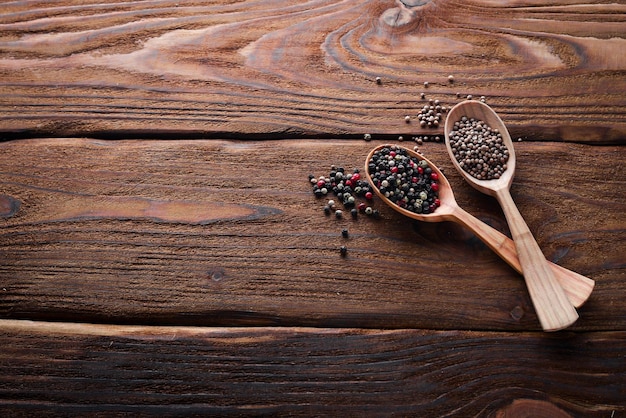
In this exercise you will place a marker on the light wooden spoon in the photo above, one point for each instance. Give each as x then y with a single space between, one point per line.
553 308
577 287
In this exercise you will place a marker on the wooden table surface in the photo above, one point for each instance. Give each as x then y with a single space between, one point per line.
162 252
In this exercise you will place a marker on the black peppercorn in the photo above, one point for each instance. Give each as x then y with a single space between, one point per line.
404 179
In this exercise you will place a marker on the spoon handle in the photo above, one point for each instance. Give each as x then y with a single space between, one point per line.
553 309
577 287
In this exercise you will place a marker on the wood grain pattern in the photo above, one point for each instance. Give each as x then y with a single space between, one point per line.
156 275
78 369
240 238
200 69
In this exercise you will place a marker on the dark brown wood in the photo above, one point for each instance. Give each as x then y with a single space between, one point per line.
72 369
230 233
281 68
161 252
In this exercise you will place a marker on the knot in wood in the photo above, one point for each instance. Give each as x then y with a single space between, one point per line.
517 313
397 17
8 206
216 274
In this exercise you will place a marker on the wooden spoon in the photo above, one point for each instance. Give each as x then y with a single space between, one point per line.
553 308
577 287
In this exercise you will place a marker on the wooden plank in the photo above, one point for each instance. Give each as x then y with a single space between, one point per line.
229 233
118 69
76 369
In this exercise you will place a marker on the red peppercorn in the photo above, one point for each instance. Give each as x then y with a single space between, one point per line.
434 187
321 183
362 205
392 153
420 170
434 176
356 177
394 169
437 202
349 183
369 195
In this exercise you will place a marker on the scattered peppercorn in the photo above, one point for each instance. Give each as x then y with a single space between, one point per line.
431 114
343 250
404 179
479 149
347 187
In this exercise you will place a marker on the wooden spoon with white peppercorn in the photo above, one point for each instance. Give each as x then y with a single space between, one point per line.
479 136
577 287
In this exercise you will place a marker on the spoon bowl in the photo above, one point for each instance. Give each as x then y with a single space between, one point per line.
480 111
577 287
553 308
448 207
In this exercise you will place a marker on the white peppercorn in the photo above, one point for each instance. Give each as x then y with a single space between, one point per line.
479 149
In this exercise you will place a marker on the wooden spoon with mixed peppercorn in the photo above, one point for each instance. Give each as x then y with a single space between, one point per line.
482 151
577 287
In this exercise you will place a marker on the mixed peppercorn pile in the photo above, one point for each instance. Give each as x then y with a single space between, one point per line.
347 188
406 180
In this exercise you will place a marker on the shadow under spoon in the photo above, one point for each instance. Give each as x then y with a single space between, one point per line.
577 287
